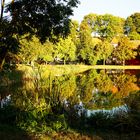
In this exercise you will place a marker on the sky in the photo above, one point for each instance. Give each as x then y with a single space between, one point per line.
121 8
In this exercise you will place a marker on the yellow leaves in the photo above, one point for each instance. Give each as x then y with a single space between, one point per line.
114 89
32 50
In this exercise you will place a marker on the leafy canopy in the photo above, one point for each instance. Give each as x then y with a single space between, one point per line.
45 18
132 26
124 50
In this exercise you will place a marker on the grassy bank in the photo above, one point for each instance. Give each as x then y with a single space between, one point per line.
59 70
56 70
10 133
115 67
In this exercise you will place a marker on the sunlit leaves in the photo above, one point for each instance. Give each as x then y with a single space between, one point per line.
32 50
132 26
104 26
65 50
124 49
110 26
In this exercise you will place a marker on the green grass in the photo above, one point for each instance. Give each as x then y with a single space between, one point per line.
8 132
115 67
76 68
58 70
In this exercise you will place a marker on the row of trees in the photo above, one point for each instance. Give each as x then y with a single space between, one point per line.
107 28
91 42
35 33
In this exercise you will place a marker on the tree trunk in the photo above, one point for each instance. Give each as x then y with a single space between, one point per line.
4 50
1 64
3 54
64 61
2 9
2 57
123 62
13 12
104 61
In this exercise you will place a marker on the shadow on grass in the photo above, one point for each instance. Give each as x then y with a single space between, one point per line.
8 127
9 132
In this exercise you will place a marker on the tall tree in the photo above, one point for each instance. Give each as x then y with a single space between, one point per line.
43 18
106 50
132 26
124 50
109 26
91 50
86 43
65 49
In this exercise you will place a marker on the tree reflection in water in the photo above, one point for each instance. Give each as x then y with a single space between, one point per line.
58 102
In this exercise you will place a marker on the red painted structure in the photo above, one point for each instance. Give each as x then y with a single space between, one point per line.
135 61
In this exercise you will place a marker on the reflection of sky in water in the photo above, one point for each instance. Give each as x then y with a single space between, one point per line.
121 109
5 101
115 110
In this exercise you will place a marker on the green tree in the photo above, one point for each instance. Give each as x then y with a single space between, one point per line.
109 26
91 50
43 18
124 50
65 49
31 50
106 50
132 26
105 26
86 44
91 20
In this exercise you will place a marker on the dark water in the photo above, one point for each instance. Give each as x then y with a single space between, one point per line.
88 93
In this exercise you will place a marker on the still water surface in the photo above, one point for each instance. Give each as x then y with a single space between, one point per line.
90 91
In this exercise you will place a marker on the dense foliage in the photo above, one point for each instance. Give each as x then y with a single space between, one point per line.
132 26
88 43
42 18
99 39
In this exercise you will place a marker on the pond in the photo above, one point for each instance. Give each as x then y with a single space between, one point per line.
81 100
